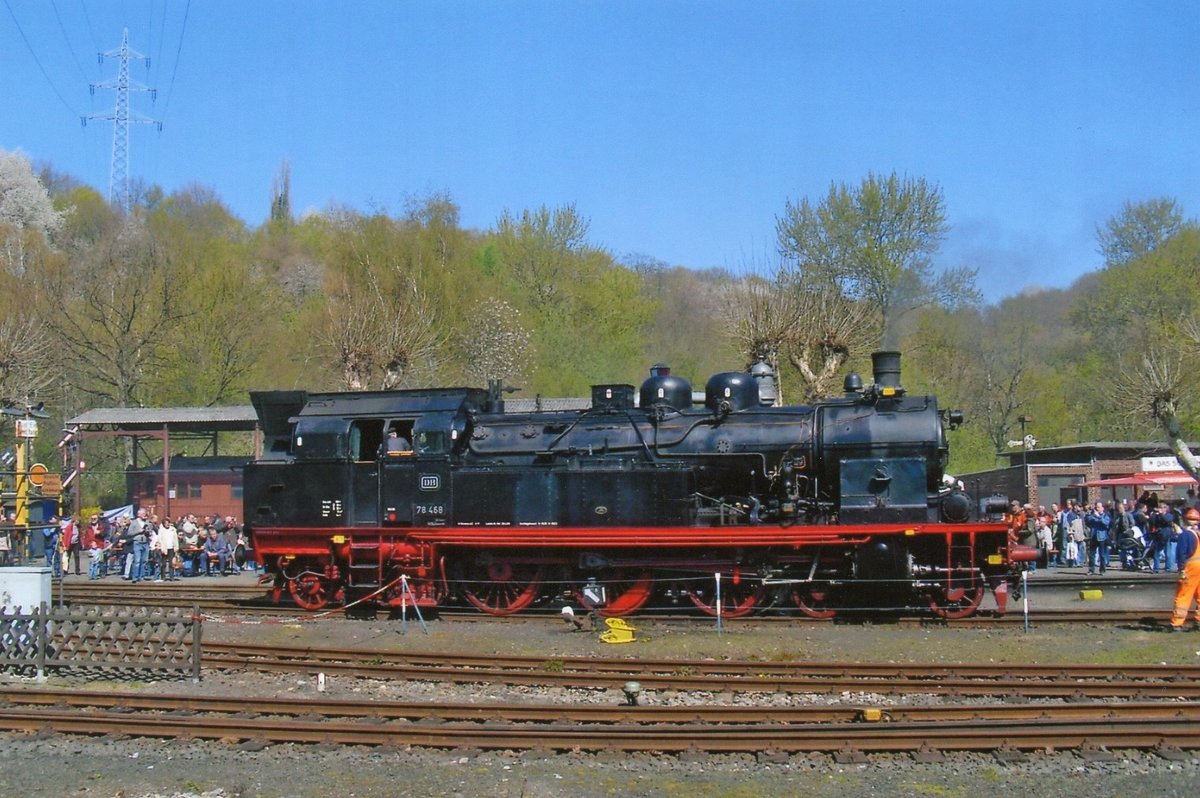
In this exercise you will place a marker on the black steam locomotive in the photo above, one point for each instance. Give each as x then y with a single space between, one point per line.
426 496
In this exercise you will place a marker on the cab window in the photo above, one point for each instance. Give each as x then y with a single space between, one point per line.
319 438
365 437
431 442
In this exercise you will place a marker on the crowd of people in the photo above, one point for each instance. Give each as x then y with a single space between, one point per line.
1138 535
1147 534
145 547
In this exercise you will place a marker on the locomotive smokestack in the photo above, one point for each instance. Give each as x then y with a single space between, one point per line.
886 366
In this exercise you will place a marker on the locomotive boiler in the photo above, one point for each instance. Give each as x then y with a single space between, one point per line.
646 497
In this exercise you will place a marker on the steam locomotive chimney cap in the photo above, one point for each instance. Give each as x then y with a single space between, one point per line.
886 366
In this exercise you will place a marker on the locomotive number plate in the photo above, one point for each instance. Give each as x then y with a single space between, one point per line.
429 509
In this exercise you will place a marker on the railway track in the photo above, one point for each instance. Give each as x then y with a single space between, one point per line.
1023 682
580 713
253 599
923 731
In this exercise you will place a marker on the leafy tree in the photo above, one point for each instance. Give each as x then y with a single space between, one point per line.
685 299
114 313
439 254
587 314
539 248
1139 229
228 306
875 243
90 219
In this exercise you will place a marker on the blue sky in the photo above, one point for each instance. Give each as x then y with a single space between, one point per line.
680 129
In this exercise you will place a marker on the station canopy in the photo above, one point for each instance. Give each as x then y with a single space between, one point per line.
1144 479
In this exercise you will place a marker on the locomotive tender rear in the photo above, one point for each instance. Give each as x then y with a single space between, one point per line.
837 503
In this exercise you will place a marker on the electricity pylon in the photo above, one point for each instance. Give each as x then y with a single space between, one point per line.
121 117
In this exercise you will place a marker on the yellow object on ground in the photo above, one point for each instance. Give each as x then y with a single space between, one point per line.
1091 595
619 631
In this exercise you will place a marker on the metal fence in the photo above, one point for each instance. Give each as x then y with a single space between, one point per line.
105 638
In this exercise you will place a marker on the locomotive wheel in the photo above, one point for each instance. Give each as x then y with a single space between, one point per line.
956 601
504 588
310 591
627 590
813 599
737 600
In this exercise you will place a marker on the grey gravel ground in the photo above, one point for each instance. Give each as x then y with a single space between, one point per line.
65 765
79 766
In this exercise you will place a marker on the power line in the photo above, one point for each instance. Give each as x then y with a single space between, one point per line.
70 47
179 49
162 27
36 60
88 20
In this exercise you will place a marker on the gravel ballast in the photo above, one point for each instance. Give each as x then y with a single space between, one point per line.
59 765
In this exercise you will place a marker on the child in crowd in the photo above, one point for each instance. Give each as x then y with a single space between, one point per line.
97 552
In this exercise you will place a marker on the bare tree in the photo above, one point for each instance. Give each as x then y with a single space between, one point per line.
1155 389
762 317
832 330
25 354
378 338
812 325
1144 243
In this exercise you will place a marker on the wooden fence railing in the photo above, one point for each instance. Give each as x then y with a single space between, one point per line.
106 638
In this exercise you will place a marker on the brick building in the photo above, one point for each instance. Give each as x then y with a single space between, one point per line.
1054 474
201 485
160 478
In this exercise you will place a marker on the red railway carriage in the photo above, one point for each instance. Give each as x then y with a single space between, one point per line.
731 505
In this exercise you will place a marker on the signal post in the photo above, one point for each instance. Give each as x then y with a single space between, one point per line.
31 480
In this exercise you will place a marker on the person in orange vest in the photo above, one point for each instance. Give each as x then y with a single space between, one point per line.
1015 517
1187 554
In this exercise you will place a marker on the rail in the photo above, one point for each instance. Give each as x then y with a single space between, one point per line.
926 731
